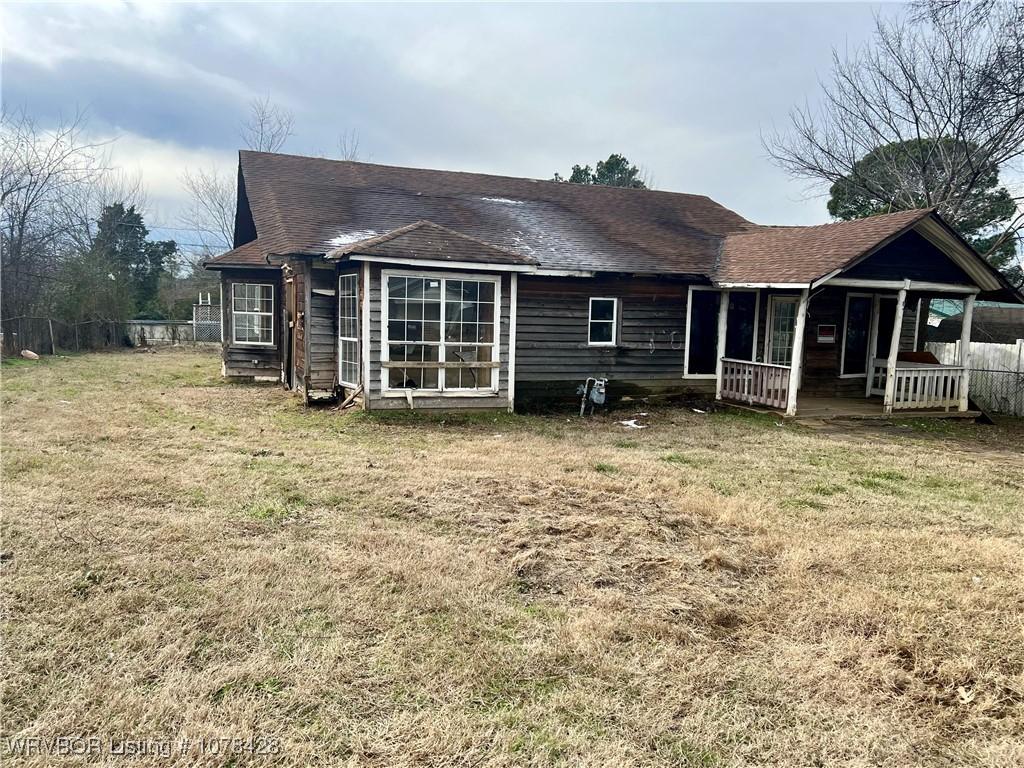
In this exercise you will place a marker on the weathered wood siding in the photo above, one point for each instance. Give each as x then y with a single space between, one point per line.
822 362
376 399
248 360
911 257
552 354
299 322
322 373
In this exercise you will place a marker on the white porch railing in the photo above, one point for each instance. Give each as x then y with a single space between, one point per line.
744 381
921 385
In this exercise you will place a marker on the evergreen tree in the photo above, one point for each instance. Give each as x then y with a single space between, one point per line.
119 276
616 171
915 174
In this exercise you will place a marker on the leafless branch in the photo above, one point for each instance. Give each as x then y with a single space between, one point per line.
938 101
268 126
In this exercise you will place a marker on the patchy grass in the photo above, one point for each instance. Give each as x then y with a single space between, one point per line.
184 558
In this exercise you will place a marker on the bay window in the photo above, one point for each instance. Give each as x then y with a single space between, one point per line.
442 330
252 313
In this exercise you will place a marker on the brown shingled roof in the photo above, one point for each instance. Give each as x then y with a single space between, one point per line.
303 205
803 254
425 240
252 254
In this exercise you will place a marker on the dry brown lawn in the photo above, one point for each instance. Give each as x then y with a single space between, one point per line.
189 559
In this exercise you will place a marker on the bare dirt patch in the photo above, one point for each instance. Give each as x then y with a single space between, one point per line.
185 558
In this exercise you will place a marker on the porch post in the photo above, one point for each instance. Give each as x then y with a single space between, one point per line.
894 349
872 343
965 350
798 352
723 322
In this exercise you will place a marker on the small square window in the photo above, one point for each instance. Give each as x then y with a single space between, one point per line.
603 322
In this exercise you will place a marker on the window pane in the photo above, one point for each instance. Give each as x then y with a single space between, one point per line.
485 313
487 292
470 290
485 333
432 310
702 335
396 309
432 290
602 309
783 322
431 331
396 287
855 342
414 288
453 290
601 332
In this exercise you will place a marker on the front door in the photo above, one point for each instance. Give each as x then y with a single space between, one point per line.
781 329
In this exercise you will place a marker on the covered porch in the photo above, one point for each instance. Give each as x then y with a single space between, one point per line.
847 348
839 326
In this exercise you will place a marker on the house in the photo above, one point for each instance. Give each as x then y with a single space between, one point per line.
409 288
991 323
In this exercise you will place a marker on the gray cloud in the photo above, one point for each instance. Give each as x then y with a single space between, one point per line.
522 90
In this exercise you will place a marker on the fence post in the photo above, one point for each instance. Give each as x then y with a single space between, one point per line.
53 346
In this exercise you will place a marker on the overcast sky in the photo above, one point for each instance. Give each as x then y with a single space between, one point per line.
522 90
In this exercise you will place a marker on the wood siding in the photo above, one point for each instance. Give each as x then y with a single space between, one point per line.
552 354
911 257
322 374
248 360
822 361
378 401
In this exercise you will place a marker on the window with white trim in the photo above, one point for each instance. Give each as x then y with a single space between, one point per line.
602 322
444 330
252 313
348 330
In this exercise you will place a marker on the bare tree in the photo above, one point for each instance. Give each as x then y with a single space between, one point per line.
938 105
348 145
40 173
211 210
268 126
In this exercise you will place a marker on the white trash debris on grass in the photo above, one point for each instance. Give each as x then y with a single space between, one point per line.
632 424
697 410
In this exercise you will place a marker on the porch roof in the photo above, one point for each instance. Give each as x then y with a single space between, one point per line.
811 255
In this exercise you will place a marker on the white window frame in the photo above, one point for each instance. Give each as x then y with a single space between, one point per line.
846 322
614 321
354 276
770 325
234 313
441 389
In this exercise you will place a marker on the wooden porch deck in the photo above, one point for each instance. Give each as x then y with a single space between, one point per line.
862 408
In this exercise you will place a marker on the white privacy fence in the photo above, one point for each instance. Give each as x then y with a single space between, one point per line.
997 373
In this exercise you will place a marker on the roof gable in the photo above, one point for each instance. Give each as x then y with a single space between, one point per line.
427 241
